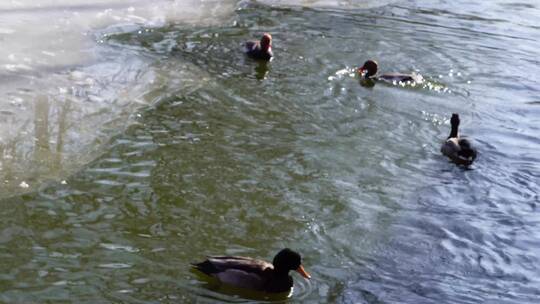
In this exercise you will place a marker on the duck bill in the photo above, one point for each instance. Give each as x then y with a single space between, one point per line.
361 71
303 272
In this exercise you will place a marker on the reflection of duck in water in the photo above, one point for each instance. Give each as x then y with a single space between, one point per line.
252 274
260 49
368 74
261 70
458 149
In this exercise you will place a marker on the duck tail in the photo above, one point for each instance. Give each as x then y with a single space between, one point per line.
205 267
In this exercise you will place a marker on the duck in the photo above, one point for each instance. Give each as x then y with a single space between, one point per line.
260 49
368 71
254 274
460 150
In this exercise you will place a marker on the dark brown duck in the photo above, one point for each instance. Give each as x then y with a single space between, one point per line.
458 149
370 68
254 274
260 49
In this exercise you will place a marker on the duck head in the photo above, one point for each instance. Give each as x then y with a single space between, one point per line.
266 41
369 69
287 260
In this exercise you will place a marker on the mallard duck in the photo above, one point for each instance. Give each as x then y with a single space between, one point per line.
253 274
458 149
369 72
260 49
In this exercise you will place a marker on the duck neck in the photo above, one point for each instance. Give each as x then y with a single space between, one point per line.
454 131
278 272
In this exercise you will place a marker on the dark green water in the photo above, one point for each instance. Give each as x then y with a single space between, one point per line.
223 155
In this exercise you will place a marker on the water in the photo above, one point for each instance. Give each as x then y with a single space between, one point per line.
148 141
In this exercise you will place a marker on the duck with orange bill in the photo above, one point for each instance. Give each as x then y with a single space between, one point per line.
253 274
260 49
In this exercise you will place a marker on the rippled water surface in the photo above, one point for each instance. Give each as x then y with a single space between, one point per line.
156 142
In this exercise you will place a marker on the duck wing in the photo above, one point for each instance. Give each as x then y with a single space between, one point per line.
467 152
240 263
397 77
459 150
237 271
450 147
251 46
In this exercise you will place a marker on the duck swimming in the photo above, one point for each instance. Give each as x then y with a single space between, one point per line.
260 49
253 274
459 150
369 72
